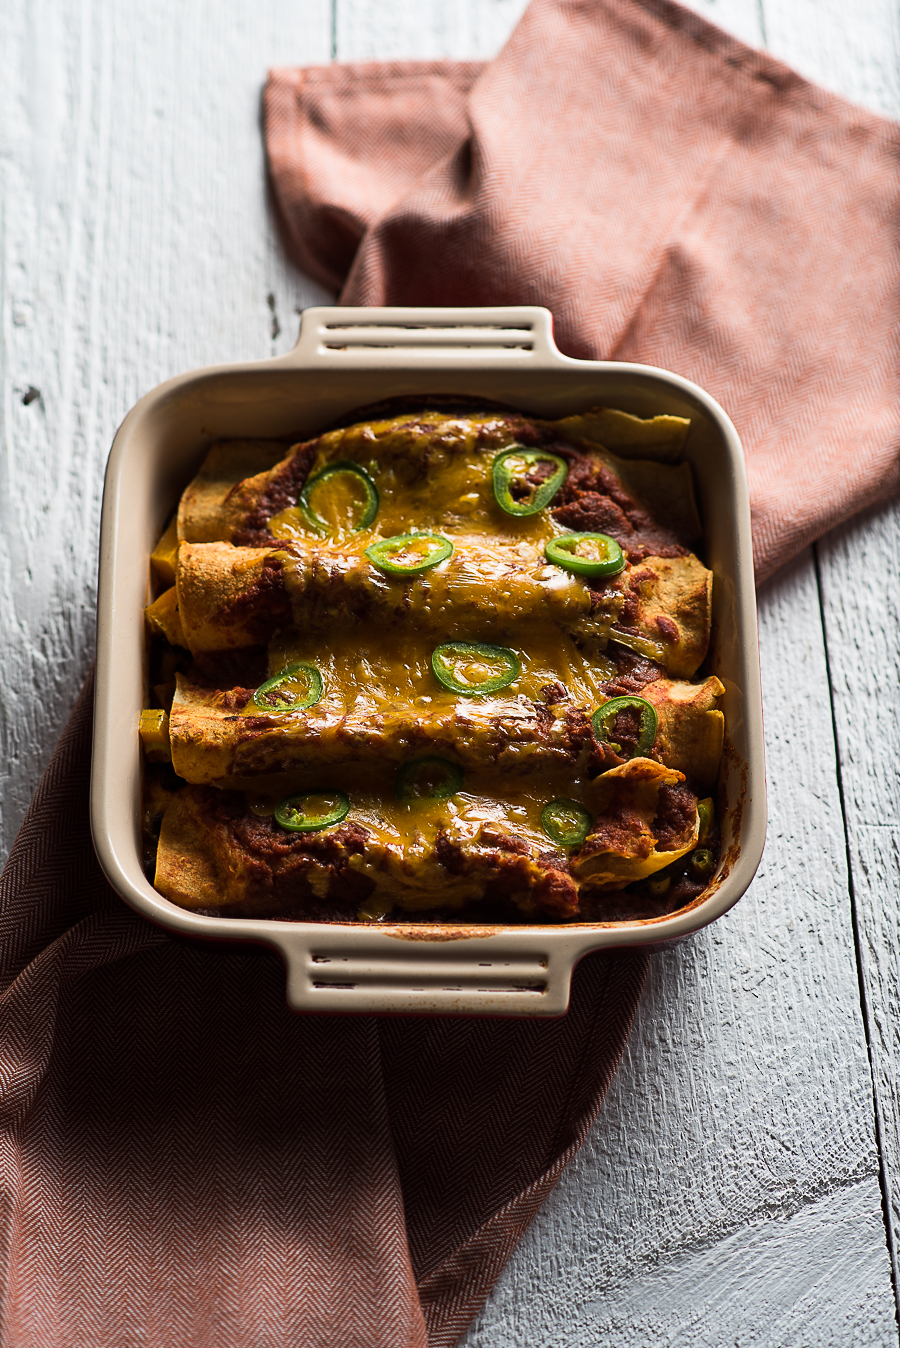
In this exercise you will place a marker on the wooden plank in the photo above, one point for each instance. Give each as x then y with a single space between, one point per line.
744 1098
423 29
859 58
135 242
859 568
814 1278
861 597
875 861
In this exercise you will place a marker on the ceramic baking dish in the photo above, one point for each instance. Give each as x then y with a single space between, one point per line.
346 358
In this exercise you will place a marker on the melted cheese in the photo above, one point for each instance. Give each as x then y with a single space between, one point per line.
485 584
372 637
381 700
444 490
401 855
365 674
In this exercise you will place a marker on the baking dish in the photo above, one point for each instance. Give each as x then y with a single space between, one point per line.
347 358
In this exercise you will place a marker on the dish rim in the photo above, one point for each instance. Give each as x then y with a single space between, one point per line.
397 966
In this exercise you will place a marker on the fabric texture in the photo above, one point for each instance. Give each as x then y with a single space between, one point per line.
184 1163
672 196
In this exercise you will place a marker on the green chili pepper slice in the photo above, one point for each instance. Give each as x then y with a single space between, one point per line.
707 811
459 666
702 863
566 822
312 810
297 687
358 480
604 720
428 778
514 492
409 554
600 555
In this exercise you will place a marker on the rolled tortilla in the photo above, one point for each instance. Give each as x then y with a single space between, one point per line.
247 491
218 735
215 503
691 729
214 852
622 846
674 609
660 438
230 598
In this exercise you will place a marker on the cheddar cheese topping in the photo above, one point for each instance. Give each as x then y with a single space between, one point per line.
434 666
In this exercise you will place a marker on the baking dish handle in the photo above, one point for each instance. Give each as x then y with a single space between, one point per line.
333 337
401 970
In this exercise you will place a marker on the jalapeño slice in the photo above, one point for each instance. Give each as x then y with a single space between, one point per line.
297 687
519 486
706 809
409 554
586 554
473 668
343 484
702 863
604 722
566 822
312 810
428 778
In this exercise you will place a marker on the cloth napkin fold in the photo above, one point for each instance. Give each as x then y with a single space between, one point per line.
184 1163
672 196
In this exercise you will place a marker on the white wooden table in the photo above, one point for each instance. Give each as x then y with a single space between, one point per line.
742 1185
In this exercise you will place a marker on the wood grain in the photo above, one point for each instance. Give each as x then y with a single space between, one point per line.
859 574
744 1100
135 242
858 57
811 1279
730 1192
475 29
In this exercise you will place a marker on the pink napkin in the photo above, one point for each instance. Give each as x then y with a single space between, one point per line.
672 196
184 1163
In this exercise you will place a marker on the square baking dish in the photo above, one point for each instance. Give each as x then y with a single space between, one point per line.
347 358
